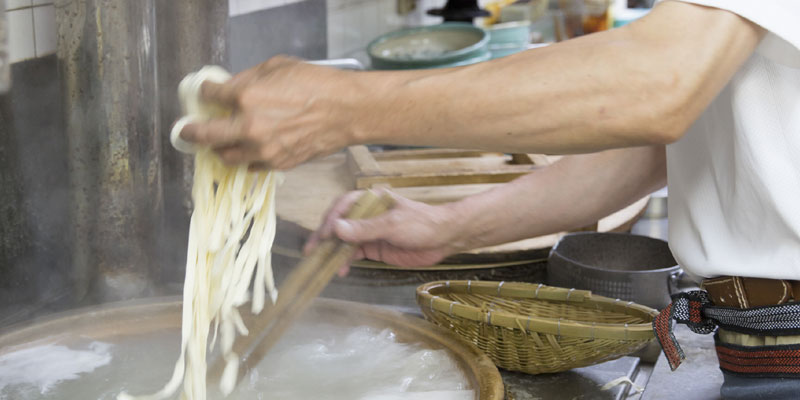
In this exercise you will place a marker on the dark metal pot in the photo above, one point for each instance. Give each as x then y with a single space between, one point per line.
617 265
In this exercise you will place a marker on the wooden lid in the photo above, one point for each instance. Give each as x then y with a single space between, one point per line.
310 189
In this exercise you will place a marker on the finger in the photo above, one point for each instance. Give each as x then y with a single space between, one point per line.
396 198
345 270
258 166
226 94
335 212
372 251
365 230
243 153
233 155
339 208
311 243
357 255
215 133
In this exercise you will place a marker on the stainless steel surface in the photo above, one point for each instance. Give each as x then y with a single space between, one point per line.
5 61
140 325
698 378
617 265
184 45
96 199
107 62
577 384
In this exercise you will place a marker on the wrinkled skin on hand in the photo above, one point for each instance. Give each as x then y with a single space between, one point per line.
411 234
279 119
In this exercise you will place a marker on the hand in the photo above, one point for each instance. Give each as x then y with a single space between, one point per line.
411 234
283 114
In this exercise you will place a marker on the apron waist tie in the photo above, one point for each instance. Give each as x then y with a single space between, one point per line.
696 310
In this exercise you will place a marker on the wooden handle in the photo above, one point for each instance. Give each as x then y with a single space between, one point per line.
305 283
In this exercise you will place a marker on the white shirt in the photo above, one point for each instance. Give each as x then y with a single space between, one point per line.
734 178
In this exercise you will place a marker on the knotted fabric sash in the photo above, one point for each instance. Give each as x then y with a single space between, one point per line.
697 311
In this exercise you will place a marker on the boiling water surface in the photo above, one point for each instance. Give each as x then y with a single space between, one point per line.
313 361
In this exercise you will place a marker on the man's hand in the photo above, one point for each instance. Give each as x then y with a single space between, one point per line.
280 118
411 234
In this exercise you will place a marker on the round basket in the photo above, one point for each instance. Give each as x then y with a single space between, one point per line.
534 328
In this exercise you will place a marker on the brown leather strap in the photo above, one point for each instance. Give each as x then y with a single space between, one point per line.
740 292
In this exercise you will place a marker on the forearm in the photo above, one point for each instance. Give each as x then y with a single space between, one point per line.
573 192
638 85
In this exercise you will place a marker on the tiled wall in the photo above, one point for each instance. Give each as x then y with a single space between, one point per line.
352 24
31 27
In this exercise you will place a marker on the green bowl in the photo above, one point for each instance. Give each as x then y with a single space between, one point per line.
499 51
450 44
517 32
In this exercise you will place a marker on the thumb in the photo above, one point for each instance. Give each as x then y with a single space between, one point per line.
363 230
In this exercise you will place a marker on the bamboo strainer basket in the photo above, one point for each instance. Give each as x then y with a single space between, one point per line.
534 328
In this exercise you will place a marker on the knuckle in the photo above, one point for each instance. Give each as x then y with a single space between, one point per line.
266 152
247 128
394 218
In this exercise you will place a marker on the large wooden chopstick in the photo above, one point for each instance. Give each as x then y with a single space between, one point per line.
305 283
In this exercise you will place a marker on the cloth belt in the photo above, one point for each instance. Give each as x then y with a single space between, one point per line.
740 292
698 312
778 361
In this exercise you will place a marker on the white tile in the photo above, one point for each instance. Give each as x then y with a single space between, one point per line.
44 28
20 35
42 2
12 4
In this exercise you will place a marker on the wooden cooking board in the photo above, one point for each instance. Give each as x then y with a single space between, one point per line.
429 175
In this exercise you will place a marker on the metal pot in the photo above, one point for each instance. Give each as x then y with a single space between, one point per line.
145 335
618 265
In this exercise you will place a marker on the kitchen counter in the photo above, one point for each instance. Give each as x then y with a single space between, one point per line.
577 384
699 376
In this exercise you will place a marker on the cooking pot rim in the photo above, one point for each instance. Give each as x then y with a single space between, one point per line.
555 253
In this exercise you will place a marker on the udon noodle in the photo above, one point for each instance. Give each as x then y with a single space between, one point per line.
230 239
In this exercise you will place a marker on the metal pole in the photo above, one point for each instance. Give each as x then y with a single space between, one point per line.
107 62
5 61
193 34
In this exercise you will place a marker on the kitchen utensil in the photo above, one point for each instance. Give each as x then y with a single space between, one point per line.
428 175
147 330
535 328
618 265
304 284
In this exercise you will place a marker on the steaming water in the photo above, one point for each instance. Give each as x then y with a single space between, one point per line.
313 361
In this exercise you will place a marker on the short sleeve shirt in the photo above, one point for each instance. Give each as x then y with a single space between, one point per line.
734 177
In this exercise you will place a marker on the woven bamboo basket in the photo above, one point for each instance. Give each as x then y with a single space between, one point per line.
534 328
